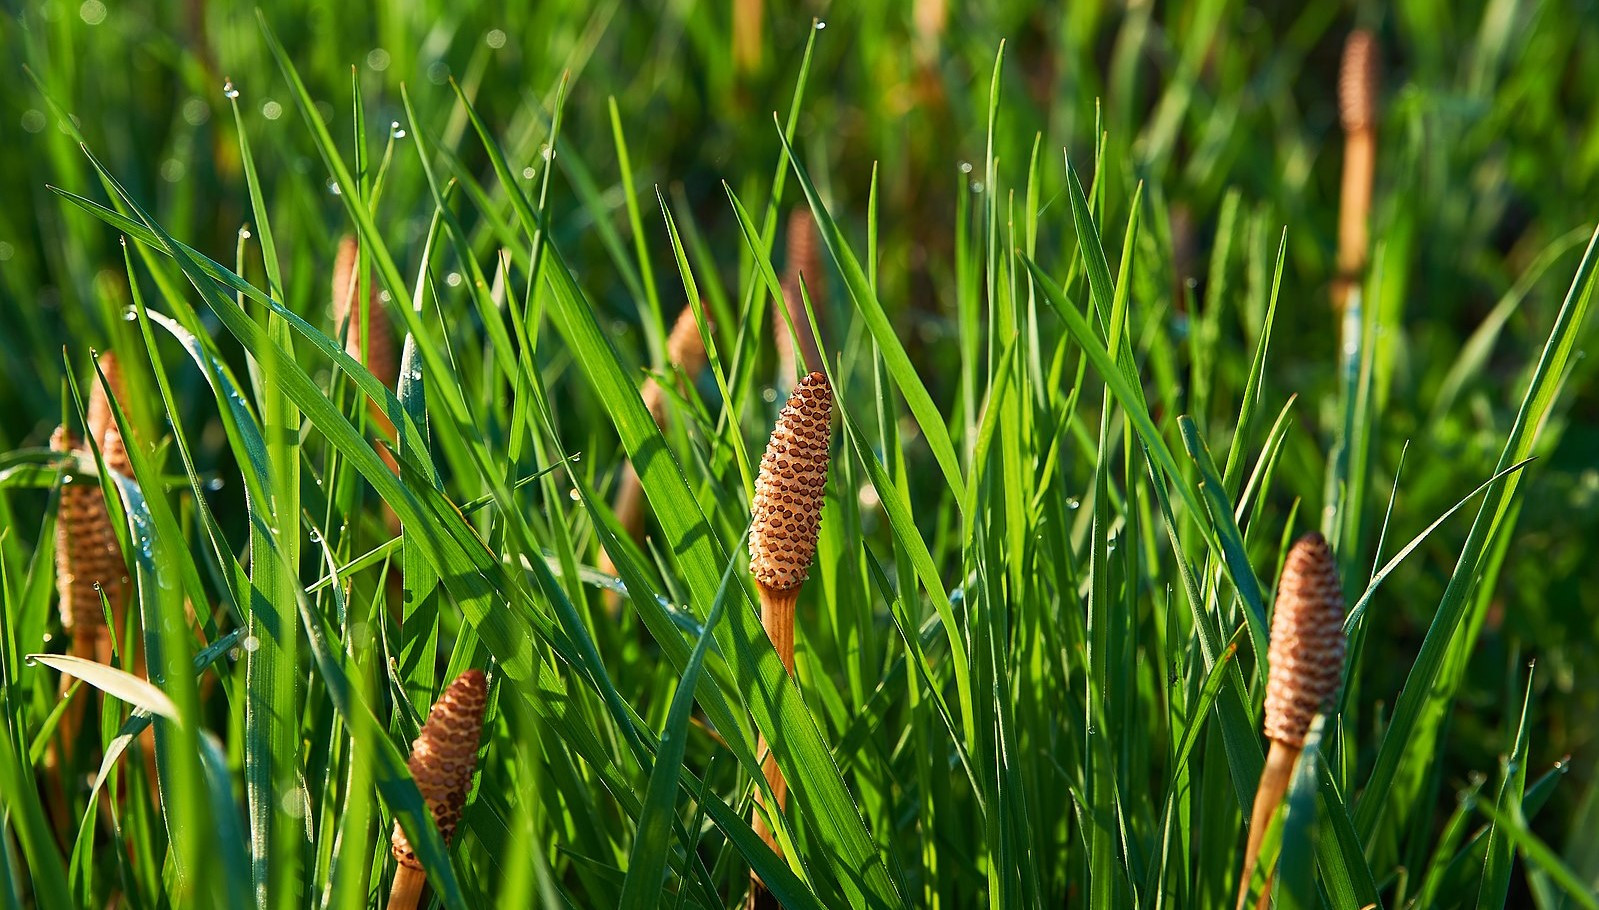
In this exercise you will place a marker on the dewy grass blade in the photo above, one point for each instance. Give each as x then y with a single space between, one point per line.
1419 697
155 534
1512 789
140 693
272 669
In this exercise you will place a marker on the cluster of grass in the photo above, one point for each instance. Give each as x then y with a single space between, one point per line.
1083 404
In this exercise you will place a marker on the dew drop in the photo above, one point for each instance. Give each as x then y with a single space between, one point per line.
574 495
528 172
244 233
966 167
333 187
251 644
1074 504
130 314
228 89
453 279
315 536
214 484
820 24
396 130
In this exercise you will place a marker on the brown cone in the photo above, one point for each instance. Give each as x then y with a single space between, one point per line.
1357 81
1307 641
804 259
102 423
380 357
788 494
87 553
444 757
685 349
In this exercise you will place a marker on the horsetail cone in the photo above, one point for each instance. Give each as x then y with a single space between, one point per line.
788 493
685 349
102 424
1357 82
1357 111
367 336
88 557
804 260
362 320
444 756
1307 641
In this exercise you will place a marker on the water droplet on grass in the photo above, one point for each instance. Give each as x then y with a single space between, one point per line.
396 130
820 24
333 187
229 90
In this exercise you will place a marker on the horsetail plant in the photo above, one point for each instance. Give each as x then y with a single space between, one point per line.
443 758
1306 661
786 519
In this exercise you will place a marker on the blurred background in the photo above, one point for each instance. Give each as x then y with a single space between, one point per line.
1487 186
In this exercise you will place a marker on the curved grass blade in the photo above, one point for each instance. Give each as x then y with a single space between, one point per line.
120 684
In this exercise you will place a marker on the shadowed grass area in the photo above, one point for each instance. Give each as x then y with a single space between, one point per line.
1109 318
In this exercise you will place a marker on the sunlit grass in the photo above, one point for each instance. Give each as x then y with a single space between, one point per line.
1084 403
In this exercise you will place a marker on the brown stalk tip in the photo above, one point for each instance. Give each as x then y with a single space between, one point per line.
788 494
804 260
350 314
1307 641
102 423
684 346
444 757
1357 81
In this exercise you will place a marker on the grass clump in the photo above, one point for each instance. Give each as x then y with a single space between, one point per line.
1057 421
